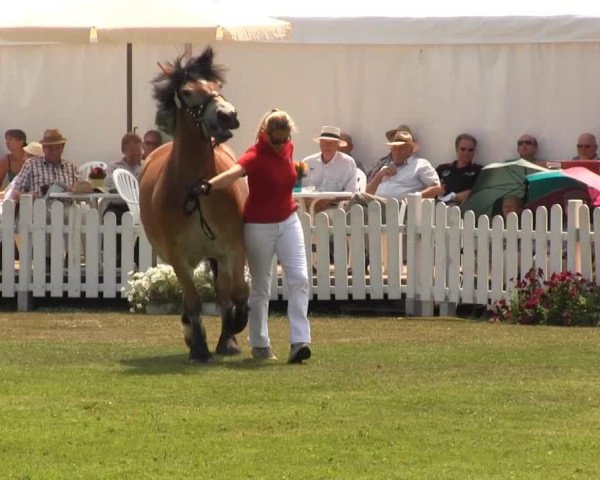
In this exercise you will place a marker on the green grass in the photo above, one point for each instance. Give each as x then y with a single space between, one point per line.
112 396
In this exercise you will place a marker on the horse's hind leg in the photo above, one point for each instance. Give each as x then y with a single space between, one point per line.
193 329
232 296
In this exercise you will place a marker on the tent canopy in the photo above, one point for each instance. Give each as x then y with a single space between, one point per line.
492 69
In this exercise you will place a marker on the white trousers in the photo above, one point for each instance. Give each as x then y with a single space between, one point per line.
286 240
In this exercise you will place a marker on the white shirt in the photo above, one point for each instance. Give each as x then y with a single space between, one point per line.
413 176
337 175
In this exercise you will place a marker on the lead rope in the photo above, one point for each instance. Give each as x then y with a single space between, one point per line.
192 203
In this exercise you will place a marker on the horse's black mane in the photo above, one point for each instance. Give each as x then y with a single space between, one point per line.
165 86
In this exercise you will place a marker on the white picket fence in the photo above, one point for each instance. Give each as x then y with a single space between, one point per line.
426 253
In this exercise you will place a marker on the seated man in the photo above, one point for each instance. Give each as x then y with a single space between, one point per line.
587 148
152 140
527 146
39 173
387 160
131 147
459 176
407 174
42 173
330 170
347 148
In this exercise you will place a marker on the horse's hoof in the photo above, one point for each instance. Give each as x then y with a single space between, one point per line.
201 357
235 320
228 345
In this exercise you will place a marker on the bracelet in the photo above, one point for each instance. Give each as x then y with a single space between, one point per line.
205 187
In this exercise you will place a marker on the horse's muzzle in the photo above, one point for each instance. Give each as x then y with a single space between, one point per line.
228 119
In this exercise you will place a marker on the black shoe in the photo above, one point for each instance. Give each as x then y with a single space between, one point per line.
299 352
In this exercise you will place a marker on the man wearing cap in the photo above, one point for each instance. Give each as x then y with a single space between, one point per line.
406 174
39 173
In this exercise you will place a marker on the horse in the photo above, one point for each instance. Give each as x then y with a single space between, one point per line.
183 226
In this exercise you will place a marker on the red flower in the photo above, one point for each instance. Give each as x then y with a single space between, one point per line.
97 172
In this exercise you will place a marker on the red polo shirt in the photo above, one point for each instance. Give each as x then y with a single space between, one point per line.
271 177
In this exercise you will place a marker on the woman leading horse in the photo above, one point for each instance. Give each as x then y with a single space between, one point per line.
183 226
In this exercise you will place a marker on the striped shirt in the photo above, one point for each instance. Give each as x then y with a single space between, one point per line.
37 173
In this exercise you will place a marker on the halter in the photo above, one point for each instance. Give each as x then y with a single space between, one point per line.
197 113
192 200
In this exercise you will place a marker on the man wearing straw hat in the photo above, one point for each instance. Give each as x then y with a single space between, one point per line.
330 170
39 173
406 174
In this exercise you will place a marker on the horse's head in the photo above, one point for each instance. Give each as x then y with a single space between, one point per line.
195 88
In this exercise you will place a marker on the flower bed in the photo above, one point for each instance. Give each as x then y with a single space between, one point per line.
565 299
158 286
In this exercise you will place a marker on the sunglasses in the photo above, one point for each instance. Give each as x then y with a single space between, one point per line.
278 140
465 149
525 142
584 145
151 144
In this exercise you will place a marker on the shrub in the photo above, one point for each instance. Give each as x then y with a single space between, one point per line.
565 299
159 286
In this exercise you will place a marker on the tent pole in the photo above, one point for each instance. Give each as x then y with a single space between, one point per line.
129 88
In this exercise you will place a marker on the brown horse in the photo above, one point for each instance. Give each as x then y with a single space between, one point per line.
183 226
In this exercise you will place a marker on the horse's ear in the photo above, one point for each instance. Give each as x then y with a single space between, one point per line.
207 56
167 68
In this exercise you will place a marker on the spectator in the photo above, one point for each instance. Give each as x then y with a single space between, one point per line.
347 149
330 170
152 140
131 147
459 176
405 175
12 162
587 148
39 173
345 145
33 149
387 160
512 203
527 146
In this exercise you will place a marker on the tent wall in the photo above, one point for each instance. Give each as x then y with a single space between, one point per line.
496 92
77 88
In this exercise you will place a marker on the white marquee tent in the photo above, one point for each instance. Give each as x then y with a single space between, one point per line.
495 74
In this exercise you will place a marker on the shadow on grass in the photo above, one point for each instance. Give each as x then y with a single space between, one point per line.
179 363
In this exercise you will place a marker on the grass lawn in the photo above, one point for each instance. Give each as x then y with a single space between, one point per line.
112 396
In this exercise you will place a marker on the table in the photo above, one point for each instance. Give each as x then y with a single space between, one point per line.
310 198
91 198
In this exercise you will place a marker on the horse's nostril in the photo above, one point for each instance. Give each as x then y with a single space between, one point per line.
228 118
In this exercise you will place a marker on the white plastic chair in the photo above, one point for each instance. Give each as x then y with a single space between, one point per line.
129 189
85 169
361 180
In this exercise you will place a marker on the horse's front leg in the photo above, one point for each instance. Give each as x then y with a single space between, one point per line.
232 297
191 322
